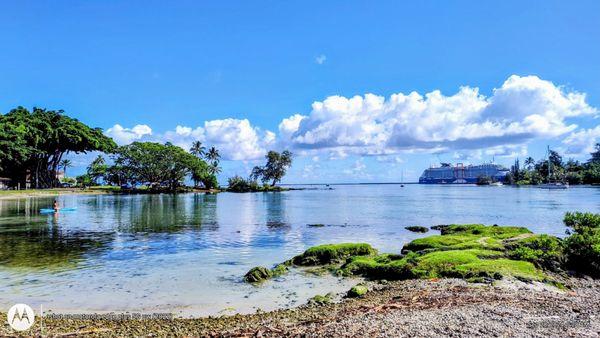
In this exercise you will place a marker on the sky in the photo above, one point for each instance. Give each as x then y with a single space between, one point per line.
359 91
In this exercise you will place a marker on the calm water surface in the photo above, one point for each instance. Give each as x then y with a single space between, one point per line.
187 253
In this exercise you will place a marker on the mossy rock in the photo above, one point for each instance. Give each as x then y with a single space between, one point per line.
332 253
483 230
321 299
357 291
258 274
417 228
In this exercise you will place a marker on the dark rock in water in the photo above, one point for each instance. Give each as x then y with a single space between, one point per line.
258 274
440 227
417 228
316 225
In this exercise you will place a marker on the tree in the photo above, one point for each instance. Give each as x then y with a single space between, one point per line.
32 144
160 165
213 155
97 169
275 169
214 168
529 163
197 149
64 164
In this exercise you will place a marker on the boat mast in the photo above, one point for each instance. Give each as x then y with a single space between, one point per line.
549 164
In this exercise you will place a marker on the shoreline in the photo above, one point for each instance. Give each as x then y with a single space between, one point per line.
16 194
400 308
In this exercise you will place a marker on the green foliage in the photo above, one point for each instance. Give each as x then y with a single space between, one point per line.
160 166
544 251
484 180
571 171
35 142
84 180
240 184
332 253
582 247
275 169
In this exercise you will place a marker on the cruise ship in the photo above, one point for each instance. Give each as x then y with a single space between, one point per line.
461 174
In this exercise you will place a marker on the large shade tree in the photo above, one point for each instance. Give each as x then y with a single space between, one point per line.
157 165
33 144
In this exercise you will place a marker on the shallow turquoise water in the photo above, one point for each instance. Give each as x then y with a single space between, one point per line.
187 253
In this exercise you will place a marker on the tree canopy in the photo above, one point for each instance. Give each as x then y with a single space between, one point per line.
157 165
275 169
32 144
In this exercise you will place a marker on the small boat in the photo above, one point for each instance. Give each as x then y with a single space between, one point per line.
497 184
550 184
554 185
49 211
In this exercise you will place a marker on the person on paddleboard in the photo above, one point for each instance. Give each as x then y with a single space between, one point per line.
55 205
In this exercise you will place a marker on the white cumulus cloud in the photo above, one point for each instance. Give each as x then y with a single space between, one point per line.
127 135
523 108
582 142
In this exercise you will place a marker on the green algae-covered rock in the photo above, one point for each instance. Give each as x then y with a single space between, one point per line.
321 300
357 291
332 253
258 274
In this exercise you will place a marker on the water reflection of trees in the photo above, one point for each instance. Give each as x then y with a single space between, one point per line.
276 217
45 245
167 213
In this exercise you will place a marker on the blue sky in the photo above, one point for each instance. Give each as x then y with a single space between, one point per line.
207 67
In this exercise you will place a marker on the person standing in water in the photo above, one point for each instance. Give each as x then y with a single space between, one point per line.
55 206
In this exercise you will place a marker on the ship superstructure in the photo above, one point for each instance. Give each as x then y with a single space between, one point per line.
461 174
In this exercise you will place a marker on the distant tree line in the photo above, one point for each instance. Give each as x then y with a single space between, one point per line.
556 169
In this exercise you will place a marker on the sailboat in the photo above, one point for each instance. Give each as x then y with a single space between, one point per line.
550 184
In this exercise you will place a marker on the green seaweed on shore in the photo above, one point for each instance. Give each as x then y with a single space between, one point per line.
332 253
357 291
317 256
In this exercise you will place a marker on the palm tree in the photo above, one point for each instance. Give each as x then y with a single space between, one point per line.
99 160
214 168
213 155
197 149
65 164
529 162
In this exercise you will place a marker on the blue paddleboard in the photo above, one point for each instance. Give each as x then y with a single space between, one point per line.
48 211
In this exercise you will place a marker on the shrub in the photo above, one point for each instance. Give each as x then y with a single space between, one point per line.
210 182
542 250
582 247
239 184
